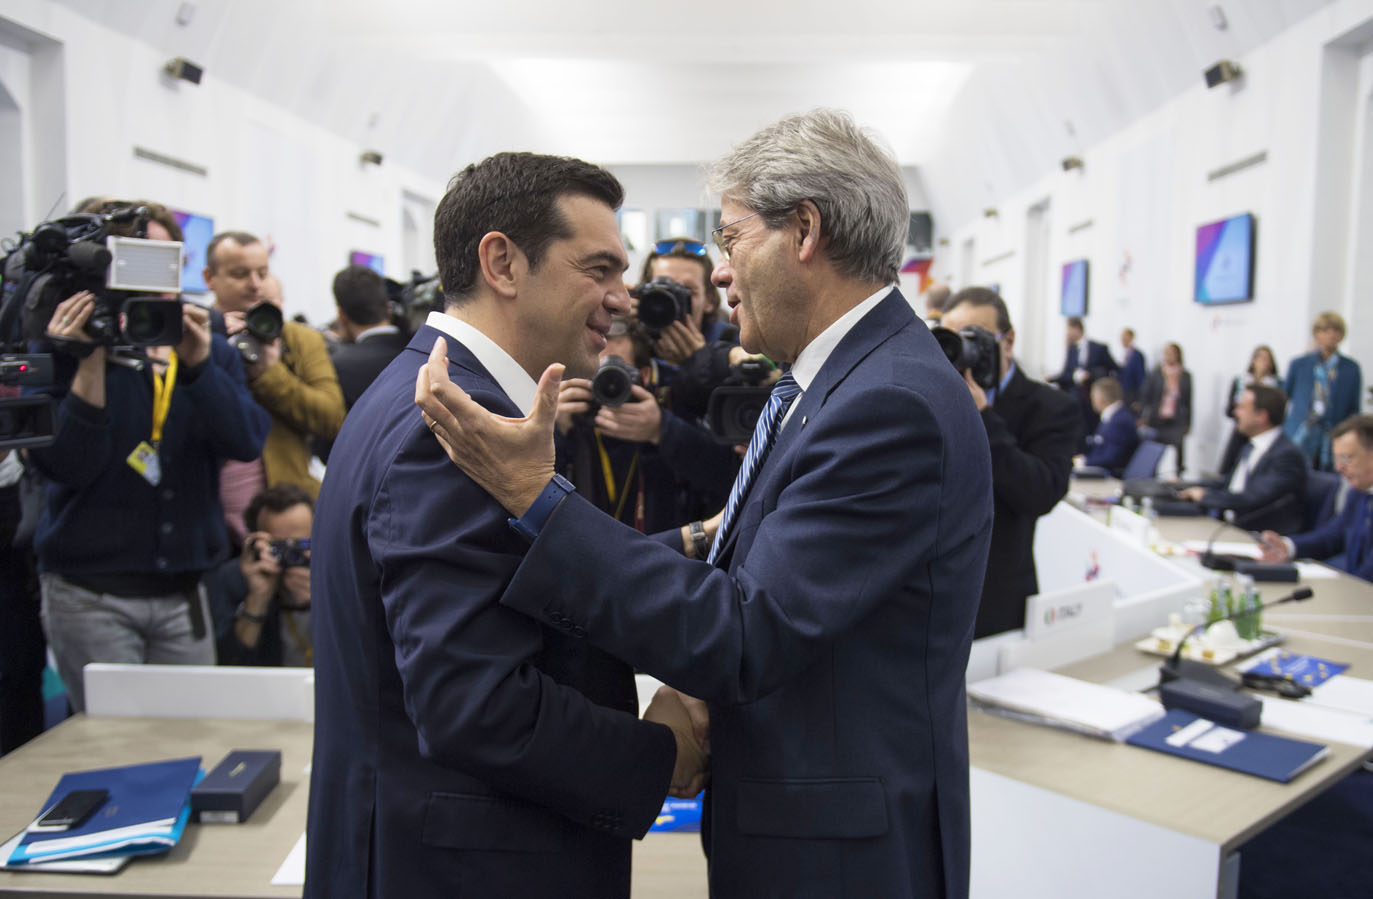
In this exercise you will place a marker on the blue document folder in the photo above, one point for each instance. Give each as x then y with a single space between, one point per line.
146 812
1251 752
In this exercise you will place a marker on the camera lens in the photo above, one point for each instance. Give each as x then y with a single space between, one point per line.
657 309
263 321
952 343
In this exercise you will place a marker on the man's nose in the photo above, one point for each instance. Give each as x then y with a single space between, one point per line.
617 301
721 275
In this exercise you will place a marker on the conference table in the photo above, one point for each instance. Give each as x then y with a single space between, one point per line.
1158 825
1108 808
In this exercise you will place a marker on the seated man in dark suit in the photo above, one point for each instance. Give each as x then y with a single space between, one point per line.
1033 431
1116 438
1350 533
370 340
1266 490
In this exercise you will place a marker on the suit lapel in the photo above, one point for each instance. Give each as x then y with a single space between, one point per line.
460 359
887 318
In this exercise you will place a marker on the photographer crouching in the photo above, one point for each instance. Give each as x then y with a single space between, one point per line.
149 402
261 600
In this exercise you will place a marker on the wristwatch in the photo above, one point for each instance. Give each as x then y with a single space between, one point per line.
700 544
242 612
532 521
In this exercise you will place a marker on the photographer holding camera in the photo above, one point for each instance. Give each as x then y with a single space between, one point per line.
132 518
261 600
1033 431
287 366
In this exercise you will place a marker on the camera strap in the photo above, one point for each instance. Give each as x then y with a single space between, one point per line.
144 458
617 495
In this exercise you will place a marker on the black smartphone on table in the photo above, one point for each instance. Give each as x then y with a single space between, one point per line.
71 810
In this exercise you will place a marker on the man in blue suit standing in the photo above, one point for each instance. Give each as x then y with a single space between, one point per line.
1132 369
828 629
462 749
1347 539
1116 438
1266 489
1083 363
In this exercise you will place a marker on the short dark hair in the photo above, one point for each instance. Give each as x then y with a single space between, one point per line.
679 251
242 238
1076 322
361 295
275 499
1270 400
980 297
516 194
1360 425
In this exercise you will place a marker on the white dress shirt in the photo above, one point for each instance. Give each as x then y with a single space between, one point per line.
811 359
515 381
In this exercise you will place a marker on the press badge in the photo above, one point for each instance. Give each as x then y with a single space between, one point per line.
144 460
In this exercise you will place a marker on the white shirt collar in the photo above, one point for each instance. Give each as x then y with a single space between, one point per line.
1109 412
1261 444
515 381
811 359
375 331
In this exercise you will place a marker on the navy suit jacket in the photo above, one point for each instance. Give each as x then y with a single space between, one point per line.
358 364
1099 364
1338 535
459 746
1132 374
830 638
1114 442
1274 495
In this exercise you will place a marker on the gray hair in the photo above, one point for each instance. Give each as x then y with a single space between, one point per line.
823 156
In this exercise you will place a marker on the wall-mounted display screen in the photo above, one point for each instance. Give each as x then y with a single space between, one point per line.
1225 260
1072 298
369 260
196 231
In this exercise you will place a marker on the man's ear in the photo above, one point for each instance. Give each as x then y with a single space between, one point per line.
808 222
503 264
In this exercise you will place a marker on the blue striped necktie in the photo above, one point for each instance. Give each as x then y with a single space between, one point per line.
764 433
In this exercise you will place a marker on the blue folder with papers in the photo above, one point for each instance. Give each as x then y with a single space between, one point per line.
1251 752
146 811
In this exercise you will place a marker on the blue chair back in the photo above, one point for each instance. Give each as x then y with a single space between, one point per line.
1321 489
1144 463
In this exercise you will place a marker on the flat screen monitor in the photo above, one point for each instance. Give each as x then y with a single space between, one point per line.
1072 296
368 260
1225 260
196 231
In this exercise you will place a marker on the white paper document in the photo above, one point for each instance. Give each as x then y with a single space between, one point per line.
292 871
1047 698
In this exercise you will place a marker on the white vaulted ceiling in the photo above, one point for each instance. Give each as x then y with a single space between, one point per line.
436 84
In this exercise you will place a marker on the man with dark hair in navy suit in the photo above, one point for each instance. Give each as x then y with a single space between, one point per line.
1084 362
1347 539
1266 490
1132 369
1116 438
829 626
462 748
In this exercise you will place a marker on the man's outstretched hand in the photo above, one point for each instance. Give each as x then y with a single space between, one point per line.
511 458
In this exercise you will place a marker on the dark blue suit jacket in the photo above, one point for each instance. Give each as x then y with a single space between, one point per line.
831 640
1274 495
1099 364
459 746
1339 535
1114 442
1132 374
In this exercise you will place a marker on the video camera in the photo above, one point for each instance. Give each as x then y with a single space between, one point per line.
662 301
736 404
85 252
974 350
412 301
25 421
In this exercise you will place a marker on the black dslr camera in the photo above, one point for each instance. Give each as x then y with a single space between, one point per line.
972 350
293 553
261 325
612 384
736 404
83 252
662 301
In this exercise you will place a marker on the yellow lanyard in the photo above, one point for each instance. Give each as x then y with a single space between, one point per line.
609 474
163 385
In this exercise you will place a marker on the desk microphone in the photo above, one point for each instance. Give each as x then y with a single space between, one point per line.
1216 561
1202 690
1177 667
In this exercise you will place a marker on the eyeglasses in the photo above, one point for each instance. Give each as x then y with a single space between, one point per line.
678 247
720 237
